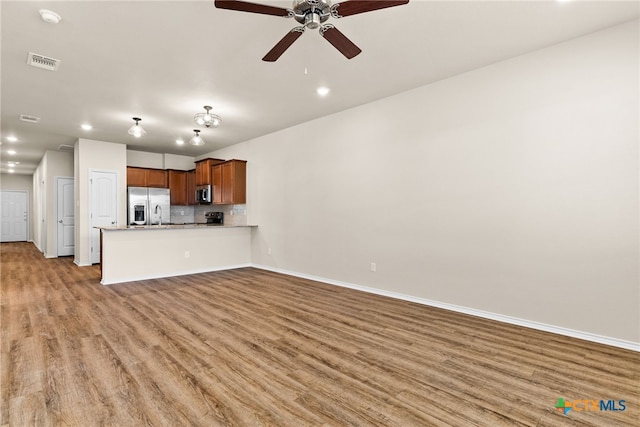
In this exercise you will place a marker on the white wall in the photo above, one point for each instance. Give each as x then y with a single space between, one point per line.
59 164
20 182
174 161
159 161
142 159
98 156
512 189
53 164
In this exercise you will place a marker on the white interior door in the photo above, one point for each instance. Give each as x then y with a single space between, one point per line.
15 215
66 217
104 207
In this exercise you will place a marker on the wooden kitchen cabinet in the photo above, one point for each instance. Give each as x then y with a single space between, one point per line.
157 178
191 188
144 177
178 187
136 177
216 183
203 170
229 182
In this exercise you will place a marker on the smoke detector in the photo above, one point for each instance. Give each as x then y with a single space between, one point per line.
29 119
65 147
44 62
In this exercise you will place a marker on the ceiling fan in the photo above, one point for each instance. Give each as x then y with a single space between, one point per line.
312 14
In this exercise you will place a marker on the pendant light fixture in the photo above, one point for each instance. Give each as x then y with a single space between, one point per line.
136 130
207 119
197 139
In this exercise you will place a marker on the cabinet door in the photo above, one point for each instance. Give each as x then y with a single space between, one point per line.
178 187
217 185
203 173
238 190
191 188
157 178
232 179
228 181
136 177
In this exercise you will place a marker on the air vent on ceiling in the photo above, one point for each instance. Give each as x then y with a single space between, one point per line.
30 119
64 147
42 61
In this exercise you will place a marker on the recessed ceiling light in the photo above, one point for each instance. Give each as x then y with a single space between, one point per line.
179 141
322 91
86 126
12 139
49 16
12 152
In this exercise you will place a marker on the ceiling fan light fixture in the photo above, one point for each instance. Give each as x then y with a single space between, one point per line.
197 139
207 119
137 130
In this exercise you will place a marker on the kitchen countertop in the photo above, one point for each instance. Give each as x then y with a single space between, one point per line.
168 227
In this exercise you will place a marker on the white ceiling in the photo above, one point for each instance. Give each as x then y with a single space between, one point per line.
164 60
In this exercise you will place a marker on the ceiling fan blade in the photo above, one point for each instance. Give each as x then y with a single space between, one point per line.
339 41
283 44
353 7
245 6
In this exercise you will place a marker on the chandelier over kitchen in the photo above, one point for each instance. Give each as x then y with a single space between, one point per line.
197 139
136 130
207 119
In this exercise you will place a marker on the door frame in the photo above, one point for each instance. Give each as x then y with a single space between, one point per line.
55 215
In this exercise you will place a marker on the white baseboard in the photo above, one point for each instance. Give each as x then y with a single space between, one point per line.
587 336
182 273
79 264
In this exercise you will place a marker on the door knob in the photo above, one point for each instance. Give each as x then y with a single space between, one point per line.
113 222
60 221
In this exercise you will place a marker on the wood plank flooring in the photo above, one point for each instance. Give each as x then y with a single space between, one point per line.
254 348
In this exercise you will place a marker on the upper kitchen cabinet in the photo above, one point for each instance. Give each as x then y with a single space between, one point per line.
157 178
203 171
230 182
143 177
191 188
178 187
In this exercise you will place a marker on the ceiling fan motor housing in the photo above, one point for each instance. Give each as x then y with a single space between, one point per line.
312 13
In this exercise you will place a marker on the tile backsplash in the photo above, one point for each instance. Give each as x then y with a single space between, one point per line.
233 214
182 214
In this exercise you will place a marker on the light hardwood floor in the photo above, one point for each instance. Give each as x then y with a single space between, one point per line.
251 348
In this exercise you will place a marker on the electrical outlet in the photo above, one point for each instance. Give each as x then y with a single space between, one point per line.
269 251
187 254
373 267
182 213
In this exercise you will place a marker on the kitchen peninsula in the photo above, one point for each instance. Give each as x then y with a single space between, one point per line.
130 253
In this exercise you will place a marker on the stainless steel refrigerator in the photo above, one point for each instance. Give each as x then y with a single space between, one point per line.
148 206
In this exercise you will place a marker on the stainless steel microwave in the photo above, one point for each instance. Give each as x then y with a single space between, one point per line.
203 194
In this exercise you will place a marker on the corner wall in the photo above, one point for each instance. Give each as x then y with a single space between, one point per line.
512 189
99 156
